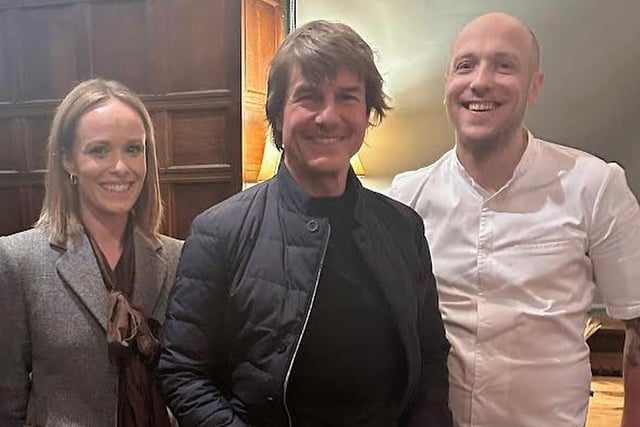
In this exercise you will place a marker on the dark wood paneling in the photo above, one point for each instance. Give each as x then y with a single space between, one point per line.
48 54
183 57
37 132
198 45
35 196
10 153
126 56
14 209
5 76
188 200
198 138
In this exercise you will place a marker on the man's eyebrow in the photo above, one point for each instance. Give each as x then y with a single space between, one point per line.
354 88
301 87
466 55
507 55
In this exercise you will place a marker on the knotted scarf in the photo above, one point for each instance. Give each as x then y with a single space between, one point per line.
133 343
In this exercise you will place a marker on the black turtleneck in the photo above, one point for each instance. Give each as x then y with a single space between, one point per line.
348 368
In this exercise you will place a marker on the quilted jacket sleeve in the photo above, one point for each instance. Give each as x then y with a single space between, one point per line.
193 354
431 406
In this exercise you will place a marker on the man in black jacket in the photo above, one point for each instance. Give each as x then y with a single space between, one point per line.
308 300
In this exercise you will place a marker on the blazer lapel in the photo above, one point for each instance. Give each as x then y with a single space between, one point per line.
79 270
150 274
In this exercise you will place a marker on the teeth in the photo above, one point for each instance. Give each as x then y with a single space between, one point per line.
116 188
328 140
482 106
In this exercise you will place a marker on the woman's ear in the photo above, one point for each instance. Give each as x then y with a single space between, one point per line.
67 164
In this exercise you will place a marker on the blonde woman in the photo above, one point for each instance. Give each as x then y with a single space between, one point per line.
83 293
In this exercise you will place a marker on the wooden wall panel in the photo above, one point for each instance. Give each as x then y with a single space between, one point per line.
34 197
184 59
263 33
5 76
262 37
14 210
36 134
188 200
198 138
48 54
126 56
197 45
10 158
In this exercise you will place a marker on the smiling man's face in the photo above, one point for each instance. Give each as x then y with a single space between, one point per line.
492 76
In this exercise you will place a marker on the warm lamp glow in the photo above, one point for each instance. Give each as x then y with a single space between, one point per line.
271 159
356 164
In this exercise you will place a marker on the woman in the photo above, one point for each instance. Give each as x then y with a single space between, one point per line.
82 295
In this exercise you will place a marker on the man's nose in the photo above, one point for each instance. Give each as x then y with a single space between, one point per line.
481 80
328 114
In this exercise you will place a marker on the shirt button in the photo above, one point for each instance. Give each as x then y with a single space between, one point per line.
270 399
282 347
312 225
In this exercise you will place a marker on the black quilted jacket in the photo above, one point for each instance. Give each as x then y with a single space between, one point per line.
244 290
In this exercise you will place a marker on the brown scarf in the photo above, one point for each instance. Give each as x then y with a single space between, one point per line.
133 346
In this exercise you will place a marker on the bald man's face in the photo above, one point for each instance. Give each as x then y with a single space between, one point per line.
493 74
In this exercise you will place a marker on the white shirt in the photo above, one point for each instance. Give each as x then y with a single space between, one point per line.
516 272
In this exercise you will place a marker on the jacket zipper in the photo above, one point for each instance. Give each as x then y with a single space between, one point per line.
304 327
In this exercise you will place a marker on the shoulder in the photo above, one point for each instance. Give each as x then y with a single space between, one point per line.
391 211
584 170
229 215
27 256
170 244
25 243
556 155
171 248
406 184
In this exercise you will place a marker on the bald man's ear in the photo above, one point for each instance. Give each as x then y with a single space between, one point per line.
535 86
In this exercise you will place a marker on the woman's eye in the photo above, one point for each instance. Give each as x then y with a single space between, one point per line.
98 150
135 148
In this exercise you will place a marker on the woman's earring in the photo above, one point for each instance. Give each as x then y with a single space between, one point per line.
73 178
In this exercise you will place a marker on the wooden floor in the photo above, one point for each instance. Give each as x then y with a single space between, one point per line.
605 407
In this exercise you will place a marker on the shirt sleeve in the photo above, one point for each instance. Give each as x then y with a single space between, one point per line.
614 245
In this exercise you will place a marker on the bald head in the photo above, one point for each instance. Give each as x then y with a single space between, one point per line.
493 76
501 24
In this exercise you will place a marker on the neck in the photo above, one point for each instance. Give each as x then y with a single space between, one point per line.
331 184
492 163
108 233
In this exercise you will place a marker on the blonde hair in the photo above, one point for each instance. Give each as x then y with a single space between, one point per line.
60 210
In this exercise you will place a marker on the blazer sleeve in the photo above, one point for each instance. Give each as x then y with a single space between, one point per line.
193 361
15 355
431 405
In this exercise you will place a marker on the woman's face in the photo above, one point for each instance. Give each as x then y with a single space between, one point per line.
108 159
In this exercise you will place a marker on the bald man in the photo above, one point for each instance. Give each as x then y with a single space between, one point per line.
522 231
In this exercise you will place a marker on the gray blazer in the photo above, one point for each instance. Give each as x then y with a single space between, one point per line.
54 365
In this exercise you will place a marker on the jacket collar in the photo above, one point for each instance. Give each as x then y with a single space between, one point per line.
79 270
294 198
